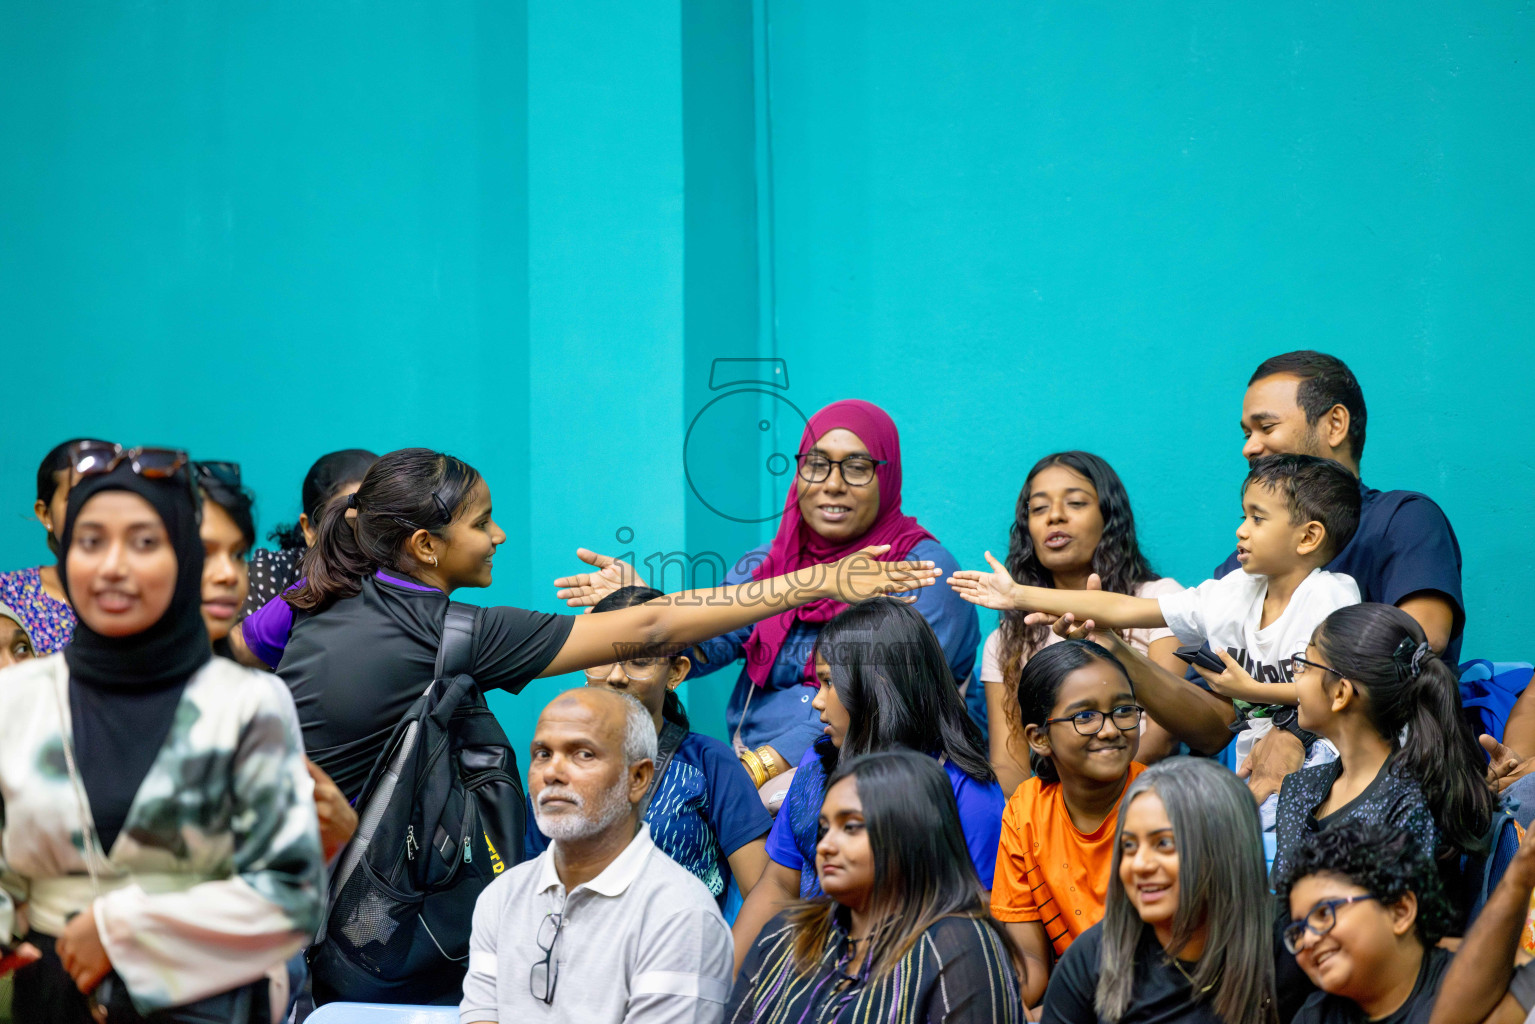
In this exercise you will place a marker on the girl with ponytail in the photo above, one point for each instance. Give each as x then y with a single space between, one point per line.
1370 683
357 640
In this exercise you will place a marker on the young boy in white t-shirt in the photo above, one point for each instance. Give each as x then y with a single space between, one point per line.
1298 512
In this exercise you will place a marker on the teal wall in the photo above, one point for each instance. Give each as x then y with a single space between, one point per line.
522 231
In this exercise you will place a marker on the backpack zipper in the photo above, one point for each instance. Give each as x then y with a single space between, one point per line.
410 842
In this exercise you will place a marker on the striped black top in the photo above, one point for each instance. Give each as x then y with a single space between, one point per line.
957 972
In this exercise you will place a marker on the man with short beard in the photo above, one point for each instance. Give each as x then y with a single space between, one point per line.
602 926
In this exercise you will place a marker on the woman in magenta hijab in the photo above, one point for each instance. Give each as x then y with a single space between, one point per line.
846 496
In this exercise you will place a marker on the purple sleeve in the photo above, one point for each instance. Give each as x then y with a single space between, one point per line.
266 630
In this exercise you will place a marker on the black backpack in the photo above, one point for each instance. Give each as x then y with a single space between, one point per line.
442 815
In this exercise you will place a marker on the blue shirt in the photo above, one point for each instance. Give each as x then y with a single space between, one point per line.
704 809
795 831
1404 545
780 714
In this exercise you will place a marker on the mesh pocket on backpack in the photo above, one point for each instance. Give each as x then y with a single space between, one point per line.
376 929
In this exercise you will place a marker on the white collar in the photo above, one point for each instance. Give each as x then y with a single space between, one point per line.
613 880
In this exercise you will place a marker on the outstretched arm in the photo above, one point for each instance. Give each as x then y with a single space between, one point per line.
694 615
1475 986
997 590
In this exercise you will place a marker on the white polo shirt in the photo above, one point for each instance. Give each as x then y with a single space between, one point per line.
643 942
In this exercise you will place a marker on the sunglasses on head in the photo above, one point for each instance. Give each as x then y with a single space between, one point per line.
89 458
92 458
226 473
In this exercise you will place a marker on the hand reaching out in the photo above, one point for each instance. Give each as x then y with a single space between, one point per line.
585 589
859 576
992 589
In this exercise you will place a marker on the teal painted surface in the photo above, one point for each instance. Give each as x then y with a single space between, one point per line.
1083 225
522 232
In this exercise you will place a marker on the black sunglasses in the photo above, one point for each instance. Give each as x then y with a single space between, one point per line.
1090 723
226 473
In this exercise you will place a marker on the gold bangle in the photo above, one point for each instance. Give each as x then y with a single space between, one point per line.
760 765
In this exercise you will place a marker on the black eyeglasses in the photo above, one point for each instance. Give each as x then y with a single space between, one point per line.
1296 659
545 974
1319 920
856 470
1090 723
226 473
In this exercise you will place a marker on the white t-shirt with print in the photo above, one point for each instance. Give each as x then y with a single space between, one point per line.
1225 613
1140 639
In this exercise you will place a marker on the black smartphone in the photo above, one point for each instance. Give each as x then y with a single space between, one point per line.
1201 655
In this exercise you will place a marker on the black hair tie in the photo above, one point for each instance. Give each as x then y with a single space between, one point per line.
351 500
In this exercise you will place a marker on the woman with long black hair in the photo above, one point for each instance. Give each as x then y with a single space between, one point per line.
903 934
1073 529
884 686
357 641
158 826
1372 685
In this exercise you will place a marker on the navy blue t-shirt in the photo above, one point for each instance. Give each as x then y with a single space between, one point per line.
1404 545
704 809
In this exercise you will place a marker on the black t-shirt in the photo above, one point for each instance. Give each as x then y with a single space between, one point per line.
1322 1008
1404 545
1160 993
356 667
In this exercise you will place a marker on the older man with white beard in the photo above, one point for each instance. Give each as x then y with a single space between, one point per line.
602 927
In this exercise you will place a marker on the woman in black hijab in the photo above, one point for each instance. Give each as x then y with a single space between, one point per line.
159 844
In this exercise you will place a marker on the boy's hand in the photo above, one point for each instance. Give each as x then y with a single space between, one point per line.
992 590
1235 682
1504 765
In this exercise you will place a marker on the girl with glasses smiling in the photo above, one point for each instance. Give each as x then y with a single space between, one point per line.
1365 911
1082 725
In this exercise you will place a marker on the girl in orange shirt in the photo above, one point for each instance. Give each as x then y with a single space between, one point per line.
1082 725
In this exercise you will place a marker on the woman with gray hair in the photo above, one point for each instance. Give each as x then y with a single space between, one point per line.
1187 933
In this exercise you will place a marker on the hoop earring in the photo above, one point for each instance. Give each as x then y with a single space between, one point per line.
434 561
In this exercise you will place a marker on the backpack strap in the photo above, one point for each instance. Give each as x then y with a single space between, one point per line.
670 739
455 654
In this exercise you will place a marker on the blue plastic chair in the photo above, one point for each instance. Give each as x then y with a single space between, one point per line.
383 1013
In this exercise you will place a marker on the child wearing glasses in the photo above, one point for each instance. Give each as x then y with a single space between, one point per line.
1365 913
1082 725
1407 760
1298 511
